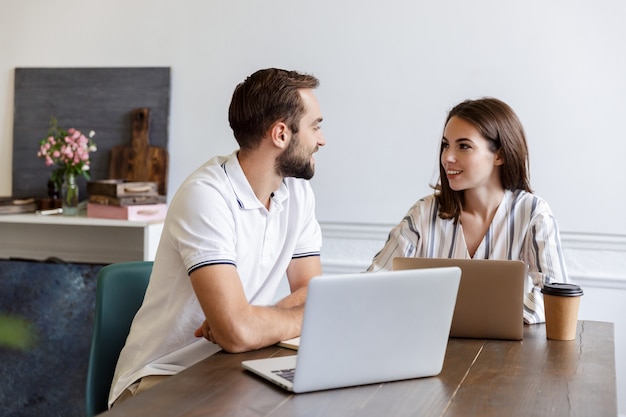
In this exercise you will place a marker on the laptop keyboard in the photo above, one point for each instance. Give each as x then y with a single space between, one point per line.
286 373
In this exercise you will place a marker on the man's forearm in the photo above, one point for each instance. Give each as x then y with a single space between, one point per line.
295 299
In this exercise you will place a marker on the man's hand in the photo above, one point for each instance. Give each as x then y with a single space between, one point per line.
205 331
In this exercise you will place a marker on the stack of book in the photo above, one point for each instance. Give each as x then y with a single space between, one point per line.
10 205
126 200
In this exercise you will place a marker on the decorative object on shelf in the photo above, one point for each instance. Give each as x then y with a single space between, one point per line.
53 201
140 161
138 212
126 200
9 205
69 195
53 190
69 151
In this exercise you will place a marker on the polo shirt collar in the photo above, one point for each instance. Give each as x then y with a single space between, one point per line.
245 195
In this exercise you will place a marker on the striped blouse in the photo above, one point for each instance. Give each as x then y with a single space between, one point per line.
523 228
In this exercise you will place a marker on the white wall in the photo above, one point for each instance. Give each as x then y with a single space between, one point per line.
390 71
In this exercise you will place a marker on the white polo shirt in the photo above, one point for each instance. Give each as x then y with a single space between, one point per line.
214 218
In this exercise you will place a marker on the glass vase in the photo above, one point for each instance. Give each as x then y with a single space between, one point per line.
69 194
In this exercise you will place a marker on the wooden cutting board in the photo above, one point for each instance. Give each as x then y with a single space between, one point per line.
140 161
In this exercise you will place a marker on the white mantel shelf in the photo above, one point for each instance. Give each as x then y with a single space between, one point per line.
77 239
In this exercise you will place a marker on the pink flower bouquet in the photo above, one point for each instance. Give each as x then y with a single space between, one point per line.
68 150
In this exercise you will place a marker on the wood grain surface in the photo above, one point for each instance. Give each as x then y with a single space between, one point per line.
532 377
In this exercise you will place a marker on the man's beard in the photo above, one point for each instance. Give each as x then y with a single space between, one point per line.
293 163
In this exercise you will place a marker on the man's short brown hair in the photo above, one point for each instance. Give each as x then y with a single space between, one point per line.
264 98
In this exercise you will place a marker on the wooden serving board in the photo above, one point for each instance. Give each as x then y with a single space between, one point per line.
140 161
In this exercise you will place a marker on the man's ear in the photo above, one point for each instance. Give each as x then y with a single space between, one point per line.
280 134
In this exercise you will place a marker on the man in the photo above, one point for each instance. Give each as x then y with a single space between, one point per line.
234 228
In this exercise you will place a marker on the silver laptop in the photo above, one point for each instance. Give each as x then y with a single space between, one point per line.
368 328
490 303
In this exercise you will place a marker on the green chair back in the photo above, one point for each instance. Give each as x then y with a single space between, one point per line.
119 294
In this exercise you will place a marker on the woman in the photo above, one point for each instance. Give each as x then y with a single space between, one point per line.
483 206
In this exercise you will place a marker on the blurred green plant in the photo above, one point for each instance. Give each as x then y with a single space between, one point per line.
16 333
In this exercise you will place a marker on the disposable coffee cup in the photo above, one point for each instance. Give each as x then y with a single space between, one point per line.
561 302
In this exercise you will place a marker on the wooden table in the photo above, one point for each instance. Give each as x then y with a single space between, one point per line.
534 377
